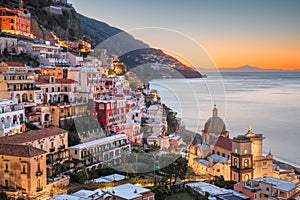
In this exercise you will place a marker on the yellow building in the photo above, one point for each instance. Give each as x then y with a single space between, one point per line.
247 158
262 165
53 140
21 86
213 165
22 168
52 71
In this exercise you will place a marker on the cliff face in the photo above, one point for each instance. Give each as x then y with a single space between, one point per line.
62 20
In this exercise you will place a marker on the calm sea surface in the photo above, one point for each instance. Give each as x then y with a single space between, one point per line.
269 101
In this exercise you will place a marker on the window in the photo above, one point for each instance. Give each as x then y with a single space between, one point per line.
75 152
246 151
235 162
6 167
38 166
246 163
41 146
267 188
52 89
23 169
58 89
101 106
46 89
30 96
246 177
52 144
66 89
235 151
6 183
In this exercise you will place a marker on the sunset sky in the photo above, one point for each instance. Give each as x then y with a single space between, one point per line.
262 33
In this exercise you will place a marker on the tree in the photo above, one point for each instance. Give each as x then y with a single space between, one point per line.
177 169
154 148
3 196
161 192
220 182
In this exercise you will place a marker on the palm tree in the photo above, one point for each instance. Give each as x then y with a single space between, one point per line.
154 148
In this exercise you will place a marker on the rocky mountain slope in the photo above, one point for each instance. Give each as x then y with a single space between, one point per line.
69 25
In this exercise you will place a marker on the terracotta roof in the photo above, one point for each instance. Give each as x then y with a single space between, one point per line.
64 80
32 135
224 143
15 64
20 150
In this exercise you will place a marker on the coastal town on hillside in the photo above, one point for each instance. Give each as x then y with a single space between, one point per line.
75 126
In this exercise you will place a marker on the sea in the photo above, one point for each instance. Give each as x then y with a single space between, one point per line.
266 102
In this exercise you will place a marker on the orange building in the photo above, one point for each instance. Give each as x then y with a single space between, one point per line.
15 21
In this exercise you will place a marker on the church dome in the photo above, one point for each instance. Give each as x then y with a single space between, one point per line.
215 124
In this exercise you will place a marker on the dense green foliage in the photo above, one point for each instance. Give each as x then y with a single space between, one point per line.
220 182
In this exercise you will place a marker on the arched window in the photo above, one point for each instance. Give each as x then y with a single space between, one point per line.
235 162
246 163
246 151
246 177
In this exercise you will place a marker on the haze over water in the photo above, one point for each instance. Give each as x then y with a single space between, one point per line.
269 101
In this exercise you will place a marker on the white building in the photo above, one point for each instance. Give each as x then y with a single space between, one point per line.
269 188
12 117
97 152
215 192
47 54
74 60
131 192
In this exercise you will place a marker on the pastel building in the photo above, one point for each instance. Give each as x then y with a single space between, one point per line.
213 165
131 192
268 188
47 54
247 161
15 20
21 86
12 117
22 168
53 140
97 152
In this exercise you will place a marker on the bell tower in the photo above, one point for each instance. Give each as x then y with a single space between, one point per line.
241 159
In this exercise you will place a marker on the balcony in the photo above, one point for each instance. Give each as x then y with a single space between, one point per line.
52 149
61 147
39 173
